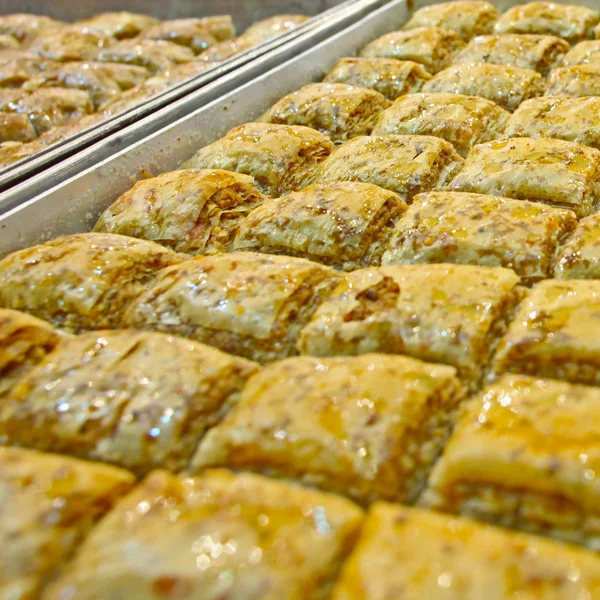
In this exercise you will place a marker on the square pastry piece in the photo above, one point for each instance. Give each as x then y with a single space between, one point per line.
246 303
282 158
555 333
417 554
543 170
345 225
504 85
579 258
369 427
214 537
48 504
461 120
389 76
135 399
83 281
571 119
451 314
585 53
433 47
570 22
473 229
541 53
405 164
524 454
338 110
193 211
578 81
120 25
191 33
69 43
467 17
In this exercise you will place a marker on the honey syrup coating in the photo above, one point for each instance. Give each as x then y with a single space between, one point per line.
450 314
214 536
83 281
578 81
281 158
344 225
48 504
249 304
388 76
138 400
7 42
191 211
579 257
404 164
180 73
271 27
129 99
191 33
555 172
24 26
461 120
18 70
338 110
16 128
475 229
119 25
439 557
433 47
504 85
69 43
524 454
584 53
368 427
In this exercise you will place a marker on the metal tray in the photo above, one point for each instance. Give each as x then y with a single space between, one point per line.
243 12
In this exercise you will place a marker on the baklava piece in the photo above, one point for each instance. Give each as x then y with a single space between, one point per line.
578 81
467 17
221 27
180 73
524 454
16 128
369 427
540 53
451 314
405 164
18 71
570 22
461 120
579 258
130 99
213 537
473 229
134 399
506 86
8 42
571 119
24 342
83 281
245 303
24 26
422 554
281 158
191 33
585 53
194 211
555 333
48 504
338 110
154 55
388 76
432 47
264 30
68 43
120 25
345 225
542 170
227 49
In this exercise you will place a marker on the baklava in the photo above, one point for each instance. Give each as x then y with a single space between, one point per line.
540 53
83 281
281 158
179 73
17 71
388 76
48 504
24 26
193 211
570 22
245 303
338 110
345 225
451 314
15 127
433 47
227 49
473 229
578 81
264 30
8 42
213 537
404 164
504 85
545 170
417 554
68 43
191 33
579 258
467 17
369 427
585 53
461 120
130 99
524 454
120 25
138 400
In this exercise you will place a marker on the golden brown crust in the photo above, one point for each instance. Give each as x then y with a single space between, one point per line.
215 536
7 42
584 53
578 81
119 25
130 99
83 281
227 49
266 29
24 27
16 128
191 33
180 73
16 72
579 258
68 43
